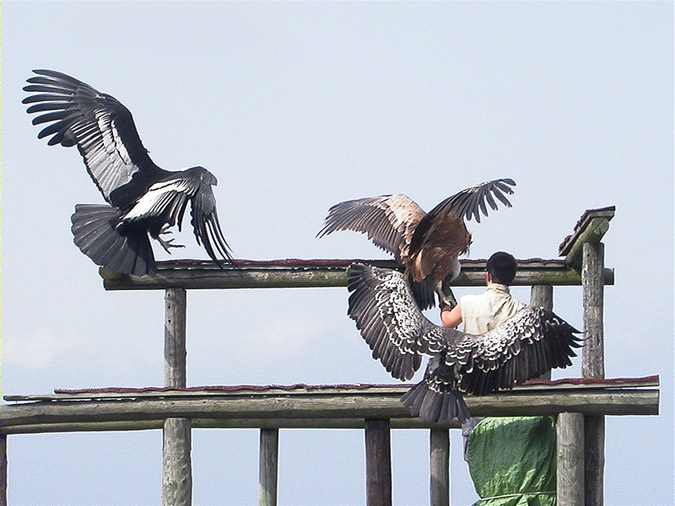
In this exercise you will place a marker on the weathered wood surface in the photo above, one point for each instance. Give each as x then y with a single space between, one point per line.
542 295
439 467
193 274
378 462
305 389
593 366
269 465
177 462
177 436
3 470
570 459
175 350
587 401
580 234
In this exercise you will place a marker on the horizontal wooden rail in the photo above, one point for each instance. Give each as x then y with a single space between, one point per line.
285 409
295 273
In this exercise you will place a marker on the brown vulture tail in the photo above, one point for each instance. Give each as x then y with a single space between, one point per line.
435 405
125 250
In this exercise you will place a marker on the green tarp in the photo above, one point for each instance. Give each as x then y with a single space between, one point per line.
512 461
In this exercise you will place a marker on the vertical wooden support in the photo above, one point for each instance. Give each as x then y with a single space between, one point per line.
269 465
378 463
177 437
570 459
439 467
593 366
542 295
3 470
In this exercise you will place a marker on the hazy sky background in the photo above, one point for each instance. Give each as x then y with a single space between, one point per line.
295 107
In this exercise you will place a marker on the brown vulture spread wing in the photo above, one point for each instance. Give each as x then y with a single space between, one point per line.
524 347
389 221
445 222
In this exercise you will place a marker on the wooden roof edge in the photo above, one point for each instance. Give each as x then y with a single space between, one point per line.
304 389
605 213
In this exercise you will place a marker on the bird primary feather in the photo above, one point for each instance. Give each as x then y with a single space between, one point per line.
143 198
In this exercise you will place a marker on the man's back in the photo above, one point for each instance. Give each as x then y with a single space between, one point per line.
481 313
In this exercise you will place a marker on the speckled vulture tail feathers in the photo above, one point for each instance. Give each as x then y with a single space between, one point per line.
432 406
94 232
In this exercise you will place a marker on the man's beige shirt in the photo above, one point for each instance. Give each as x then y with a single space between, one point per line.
484 312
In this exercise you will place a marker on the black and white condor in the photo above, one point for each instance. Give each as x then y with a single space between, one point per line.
142 198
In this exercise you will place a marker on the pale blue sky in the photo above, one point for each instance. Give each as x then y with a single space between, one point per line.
295 107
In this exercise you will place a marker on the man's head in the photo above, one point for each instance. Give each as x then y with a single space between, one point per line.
501 268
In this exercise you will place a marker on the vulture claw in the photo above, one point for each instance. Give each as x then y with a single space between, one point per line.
167 245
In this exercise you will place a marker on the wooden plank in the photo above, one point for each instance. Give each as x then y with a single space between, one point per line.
177 463
3 470
177 437
605 213
542 295
378 462
570 459
203 275
590 402
109 393
593 366
439 467
269 465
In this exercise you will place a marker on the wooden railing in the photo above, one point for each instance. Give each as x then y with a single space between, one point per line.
580 405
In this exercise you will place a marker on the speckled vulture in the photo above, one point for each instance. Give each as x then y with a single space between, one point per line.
521 348
429 244
143 198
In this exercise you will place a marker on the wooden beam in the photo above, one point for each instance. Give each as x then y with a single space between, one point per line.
589 228
363 405
378 463
542 295
269 464
111 393
439 467
3 470
570 459
593 366
192 274
177 437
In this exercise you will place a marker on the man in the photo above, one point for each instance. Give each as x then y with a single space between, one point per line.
481 313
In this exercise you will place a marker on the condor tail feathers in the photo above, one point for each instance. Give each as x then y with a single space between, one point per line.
440 405
124 250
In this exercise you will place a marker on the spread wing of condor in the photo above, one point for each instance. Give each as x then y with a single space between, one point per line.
427 245
144 200
524 347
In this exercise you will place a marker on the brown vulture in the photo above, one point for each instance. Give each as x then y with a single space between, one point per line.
427 245
143 198
523 347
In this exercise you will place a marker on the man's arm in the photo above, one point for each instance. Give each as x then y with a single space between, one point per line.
451 317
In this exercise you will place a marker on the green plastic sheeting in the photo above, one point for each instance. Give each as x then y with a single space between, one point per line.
512 461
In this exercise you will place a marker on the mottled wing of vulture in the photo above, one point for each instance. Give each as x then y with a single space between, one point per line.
388 220
465 205
524 347
100 126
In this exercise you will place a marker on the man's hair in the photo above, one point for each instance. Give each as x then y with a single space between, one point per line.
502 268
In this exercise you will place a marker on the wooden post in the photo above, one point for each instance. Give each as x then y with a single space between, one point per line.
177 437
3 470
570 459
439 467
378 463
542 295
269 464
593 366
